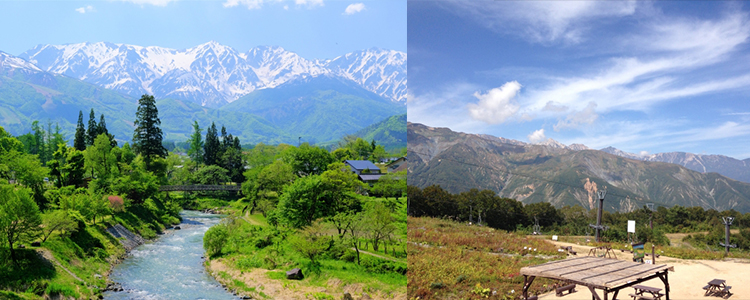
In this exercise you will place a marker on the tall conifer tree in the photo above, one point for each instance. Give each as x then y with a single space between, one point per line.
93 129
80 139
211 149
196 144
148 136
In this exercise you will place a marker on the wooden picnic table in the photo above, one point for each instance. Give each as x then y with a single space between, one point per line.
641 290
608 275
718 287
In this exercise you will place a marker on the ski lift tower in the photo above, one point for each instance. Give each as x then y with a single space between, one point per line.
598 225
727 223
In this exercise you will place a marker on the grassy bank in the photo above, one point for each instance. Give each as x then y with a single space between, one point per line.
451 260
75 264
255 256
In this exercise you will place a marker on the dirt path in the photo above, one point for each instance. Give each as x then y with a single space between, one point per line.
685 282
48 256
379 256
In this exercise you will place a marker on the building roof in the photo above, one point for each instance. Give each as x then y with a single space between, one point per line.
370 177
403 158
362 164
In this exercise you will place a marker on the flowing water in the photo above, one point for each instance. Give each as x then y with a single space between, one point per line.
170 267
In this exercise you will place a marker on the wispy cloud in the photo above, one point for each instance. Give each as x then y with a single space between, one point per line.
150 2
542 21
85 9
258 4
354 8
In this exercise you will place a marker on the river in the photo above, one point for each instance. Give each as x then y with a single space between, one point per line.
170 267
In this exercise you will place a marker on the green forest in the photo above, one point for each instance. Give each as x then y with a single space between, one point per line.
301 205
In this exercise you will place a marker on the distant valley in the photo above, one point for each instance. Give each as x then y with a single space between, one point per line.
561 175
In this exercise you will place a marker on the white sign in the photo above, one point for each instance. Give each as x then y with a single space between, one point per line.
648 261
631 226
554 237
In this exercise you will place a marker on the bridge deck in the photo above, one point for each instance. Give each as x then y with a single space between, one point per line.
198 187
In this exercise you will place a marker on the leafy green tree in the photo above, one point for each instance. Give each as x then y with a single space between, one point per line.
308 160
80 138
57 220
138 185
19 216
215 238
211 175
212 147
545 213
99 157
378 154
311 241
196 144
304 201
147 138
381 225
74 168
266 186
391 185
342 154
28 170
93 130
232 162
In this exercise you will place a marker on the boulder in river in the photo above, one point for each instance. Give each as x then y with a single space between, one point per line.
295 273
177 228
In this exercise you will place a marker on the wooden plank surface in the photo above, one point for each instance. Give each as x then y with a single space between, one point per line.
594 271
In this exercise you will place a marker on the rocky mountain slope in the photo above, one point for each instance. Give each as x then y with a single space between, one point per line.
561 176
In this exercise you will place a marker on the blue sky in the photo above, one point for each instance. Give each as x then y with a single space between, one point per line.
643 77
312 28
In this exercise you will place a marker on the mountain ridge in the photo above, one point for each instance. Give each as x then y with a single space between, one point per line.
536 173
212 74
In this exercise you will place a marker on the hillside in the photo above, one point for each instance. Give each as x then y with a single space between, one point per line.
318 109
391 132
536 173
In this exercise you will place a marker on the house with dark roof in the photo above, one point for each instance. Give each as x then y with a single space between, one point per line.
397 165
366 171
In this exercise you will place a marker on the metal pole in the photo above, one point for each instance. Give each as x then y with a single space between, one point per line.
599 215
726 240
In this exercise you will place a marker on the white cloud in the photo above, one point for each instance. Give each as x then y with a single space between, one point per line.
254 4
542 21
286 7
537 136
643 153
586 116
497 105
151 2
85 9
354 8
309 3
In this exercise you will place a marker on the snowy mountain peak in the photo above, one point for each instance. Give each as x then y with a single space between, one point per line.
211 73
8 61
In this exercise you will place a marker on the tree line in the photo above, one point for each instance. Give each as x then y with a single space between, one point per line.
486 208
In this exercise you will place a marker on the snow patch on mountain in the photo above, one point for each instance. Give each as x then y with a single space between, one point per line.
213 74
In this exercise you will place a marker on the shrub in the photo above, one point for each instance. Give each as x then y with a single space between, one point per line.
214 239
59 289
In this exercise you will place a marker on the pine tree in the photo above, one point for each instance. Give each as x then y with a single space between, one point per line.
196 144
148 136
103 129
93 130
80 139
212 146
224 142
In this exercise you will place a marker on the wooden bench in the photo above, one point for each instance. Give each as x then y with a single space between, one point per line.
571 288
645 297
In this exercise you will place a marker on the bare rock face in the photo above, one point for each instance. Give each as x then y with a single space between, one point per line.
128 239
295 274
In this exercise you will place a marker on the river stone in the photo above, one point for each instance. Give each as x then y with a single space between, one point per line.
295 273
348 296
177 228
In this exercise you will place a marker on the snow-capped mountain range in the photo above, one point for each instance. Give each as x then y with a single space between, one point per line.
213 74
